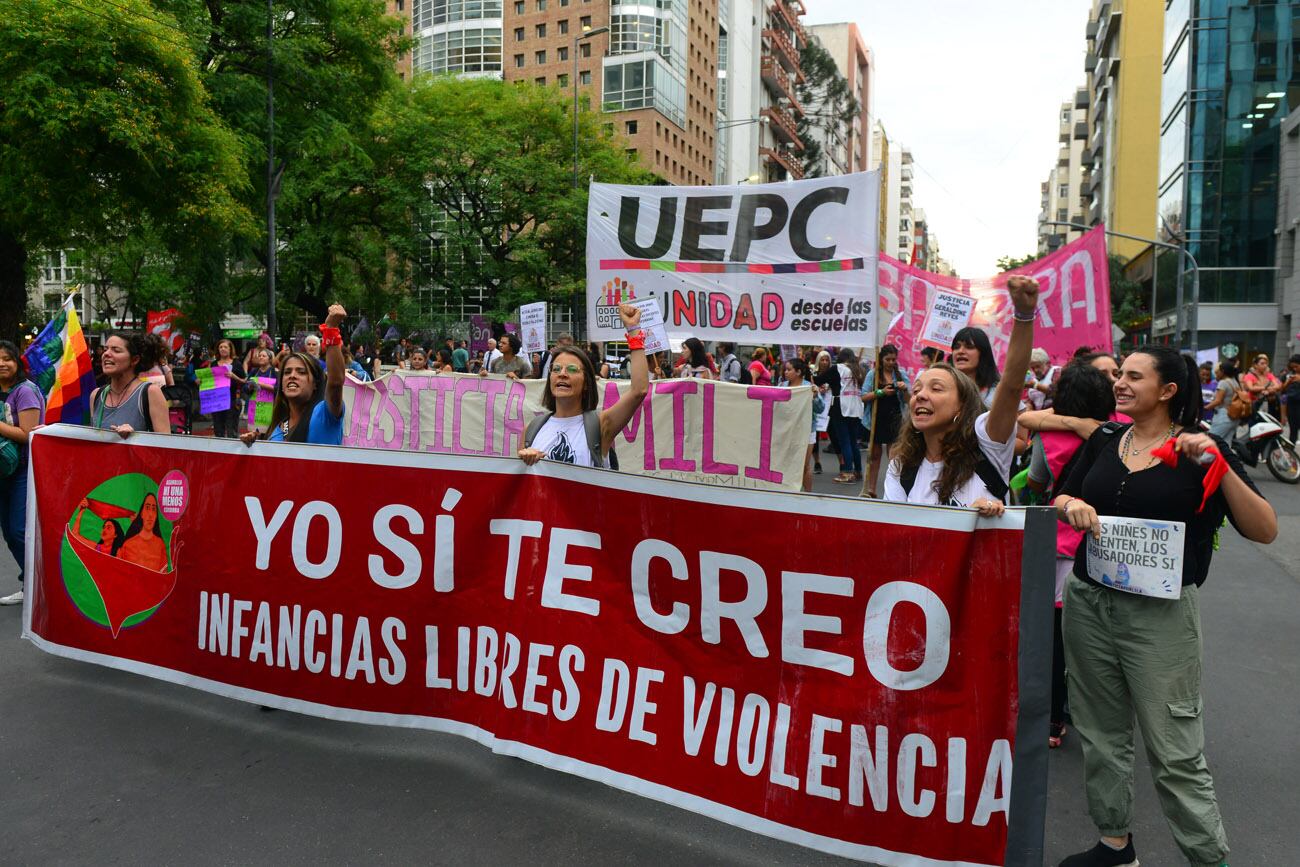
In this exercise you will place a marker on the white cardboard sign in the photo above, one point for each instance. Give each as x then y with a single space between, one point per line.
1139 556
949 313
532 326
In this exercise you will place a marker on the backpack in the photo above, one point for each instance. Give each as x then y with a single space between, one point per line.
1242 407
987 473
590 424
746 378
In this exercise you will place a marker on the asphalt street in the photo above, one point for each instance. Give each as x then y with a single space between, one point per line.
99 766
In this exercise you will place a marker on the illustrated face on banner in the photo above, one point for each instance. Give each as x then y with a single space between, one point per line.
119 549
777 263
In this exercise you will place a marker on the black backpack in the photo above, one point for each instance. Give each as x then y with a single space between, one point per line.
988 474
590 424
746 378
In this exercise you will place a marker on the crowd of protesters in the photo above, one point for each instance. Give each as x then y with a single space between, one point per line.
1080 434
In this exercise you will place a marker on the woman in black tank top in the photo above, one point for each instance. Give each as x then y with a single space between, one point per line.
126 403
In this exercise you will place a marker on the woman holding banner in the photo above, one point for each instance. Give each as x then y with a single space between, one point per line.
309 404
952 450
127 403
795 374
573 430
225 423
1133 646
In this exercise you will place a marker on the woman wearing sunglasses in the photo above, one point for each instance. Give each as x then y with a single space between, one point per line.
573 430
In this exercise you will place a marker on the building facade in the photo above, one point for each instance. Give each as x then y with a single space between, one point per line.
880 162
1121 162
854 60
1062 194
779 146
1229 78
1287 287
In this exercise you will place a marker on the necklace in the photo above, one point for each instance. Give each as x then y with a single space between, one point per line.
120 395
1126 451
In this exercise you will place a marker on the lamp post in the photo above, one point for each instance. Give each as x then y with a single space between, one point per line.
764 120
1196 278
587 33
270 171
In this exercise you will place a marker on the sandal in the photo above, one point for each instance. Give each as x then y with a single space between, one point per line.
1056 735
843 479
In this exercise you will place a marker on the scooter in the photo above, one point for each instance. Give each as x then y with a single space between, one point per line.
1265 441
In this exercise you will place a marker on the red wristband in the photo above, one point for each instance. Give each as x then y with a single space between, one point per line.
636 341
330 336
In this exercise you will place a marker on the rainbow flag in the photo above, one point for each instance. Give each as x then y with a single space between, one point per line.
59 362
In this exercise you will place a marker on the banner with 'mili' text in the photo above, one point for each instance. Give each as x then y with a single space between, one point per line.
1074 302
858 677
691 429
792 262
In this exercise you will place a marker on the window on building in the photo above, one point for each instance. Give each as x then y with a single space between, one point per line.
564 2
519 7
519 34
541 5
562 79
540 31
426 13
584 77
1064 191
564 26
585 22
540 81
540 56
468 50
584 49
519 61
562 53
630 127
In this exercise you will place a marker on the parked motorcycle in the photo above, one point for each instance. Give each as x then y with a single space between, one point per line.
1265 441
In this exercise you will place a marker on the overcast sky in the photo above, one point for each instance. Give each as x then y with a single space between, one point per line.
973 89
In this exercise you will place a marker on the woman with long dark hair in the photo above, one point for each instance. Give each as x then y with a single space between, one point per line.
25 407
885 390
951 449
696 362
127 403
1130 655
972 354
225 423
1081 392
142 544
574 430
308 404
795 373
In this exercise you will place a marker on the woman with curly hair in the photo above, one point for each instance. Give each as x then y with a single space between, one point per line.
951 451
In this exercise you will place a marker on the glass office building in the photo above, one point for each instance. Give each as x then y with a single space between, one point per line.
1228 81
457 36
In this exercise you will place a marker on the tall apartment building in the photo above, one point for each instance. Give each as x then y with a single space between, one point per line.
854 60
902 216
656 69
880 161
1230 77
740 89
779 145
1063 200
1121 161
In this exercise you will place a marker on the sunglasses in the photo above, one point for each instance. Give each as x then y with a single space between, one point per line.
570 369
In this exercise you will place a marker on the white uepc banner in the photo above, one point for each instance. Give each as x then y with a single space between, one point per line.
761 264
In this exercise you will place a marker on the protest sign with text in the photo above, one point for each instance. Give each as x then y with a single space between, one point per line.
698 430
532 321
792 262
1139 556
629 630
949 313
1074 302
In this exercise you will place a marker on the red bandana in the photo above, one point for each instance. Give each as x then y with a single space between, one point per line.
1213 475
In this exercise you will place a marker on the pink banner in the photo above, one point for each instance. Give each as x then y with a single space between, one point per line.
1074 295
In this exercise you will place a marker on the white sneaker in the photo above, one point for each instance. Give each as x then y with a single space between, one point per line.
12 599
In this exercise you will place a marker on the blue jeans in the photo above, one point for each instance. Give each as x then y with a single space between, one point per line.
13 514
846 437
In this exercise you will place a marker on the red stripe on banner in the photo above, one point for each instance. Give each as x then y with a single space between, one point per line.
807 267
625 264
689 267
713 267
760 269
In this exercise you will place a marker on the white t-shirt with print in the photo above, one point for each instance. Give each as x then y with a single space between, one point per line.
564 440
1000 455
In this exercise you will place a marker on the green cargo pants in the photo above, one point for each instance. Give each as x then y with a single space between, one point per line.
1126 655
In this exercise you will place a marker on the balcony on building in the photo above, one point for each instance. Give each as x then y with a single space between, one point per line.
1090 62
1081 131
783 11
1108 21
778 82
1094 216
1063 158
1099 75
1090 31
783 49
784 160
1081 98
1064 133
782 125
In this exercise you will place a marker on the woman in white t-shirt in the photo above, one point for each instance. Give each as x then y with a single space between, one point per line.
571 397
950 449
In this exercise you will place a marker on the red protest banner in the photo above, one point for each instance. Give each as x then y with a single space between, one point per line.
861 680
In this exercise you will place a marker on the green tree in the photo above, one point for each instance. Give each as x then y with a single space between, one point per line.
332 63
485 169
1008 263
829 107
105 122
